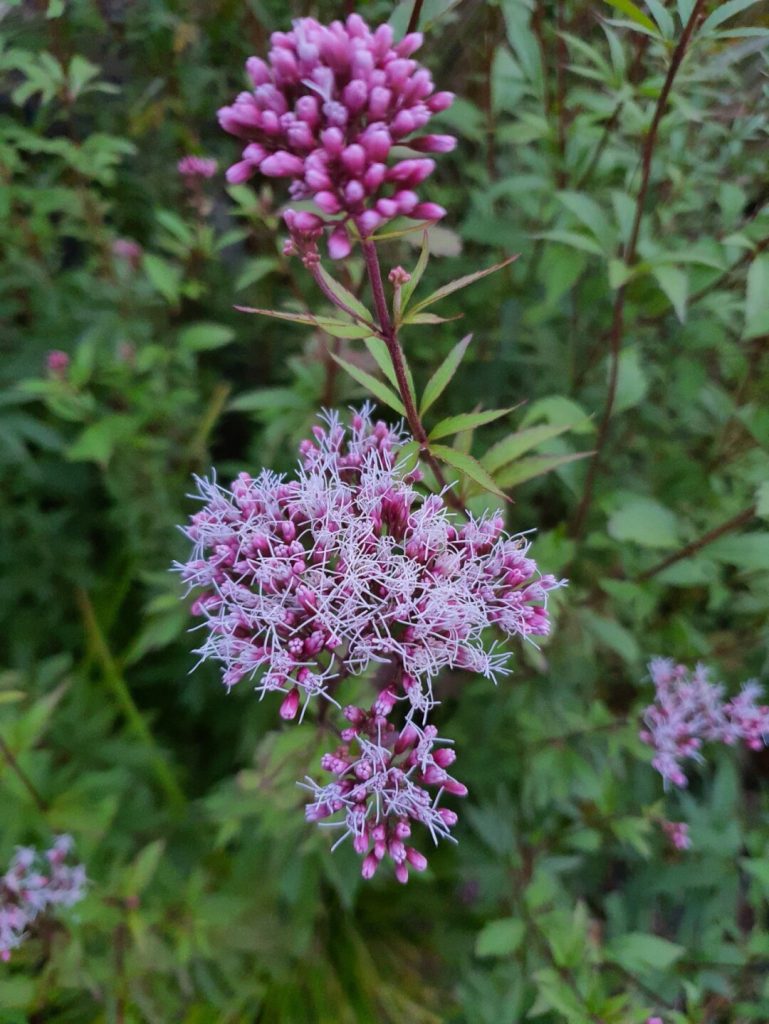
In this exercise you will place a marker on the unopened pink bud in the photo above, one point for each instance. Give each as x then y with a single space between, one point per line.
240 172
57 363
417 860
333 141
428 211
369 866
339 244
368 222
440 101
282 165
355 95
328 202
258 71
354 158
433 143
290 705
398 276
409 44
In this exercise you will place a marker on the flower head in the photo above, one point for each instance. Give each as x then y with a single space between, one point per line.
197 167
689 710
127 249
383 783
678 833
326 110
32 885
348 564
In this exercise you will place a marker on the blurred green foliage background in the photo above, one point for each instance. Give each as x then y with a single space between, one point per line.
211 900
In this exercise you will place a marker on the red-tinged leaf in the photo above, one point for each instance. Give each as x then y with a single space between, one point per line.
439 381
462 282
381 391
466 421
428 318
469 466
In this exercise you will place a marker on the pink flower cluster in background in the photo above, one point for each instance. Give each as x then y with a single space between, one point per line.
326 111
678 834
349 566
57 363
197 167
690 710
34 884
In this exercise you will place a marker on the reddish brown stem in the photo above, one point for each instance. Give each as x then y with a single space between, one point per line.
696 545
416 11
618 316
22 776
389 335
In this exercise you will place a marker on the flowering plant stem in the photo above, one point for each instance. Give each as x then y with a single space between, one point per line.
117 684
22 776
618 317
389 334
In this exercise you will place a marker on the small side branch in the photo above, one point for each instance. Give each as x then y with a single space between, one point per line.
696 545
22 776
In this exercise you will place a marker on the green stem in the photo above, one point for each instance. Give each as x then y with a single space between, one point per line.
120 691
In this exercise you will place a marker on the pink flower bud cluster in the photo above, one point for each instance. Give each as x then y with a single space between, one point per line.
33 884
57 363
678 834
384 778
306 581
689 710
197 167
326 110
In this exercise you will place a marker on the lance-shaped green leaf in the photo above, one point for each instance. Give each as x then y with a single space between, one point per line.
469 466
517 444
376 387
634 13
353 305
725 11
590 214
534 466
466 421
461 282
428 318
439 381
381 356
337 328
573 239
410 229
416 275
408 456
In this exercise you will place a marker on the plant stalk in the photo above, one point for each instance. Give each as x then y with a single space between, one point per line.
22 776
618 316
389 335
120 691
